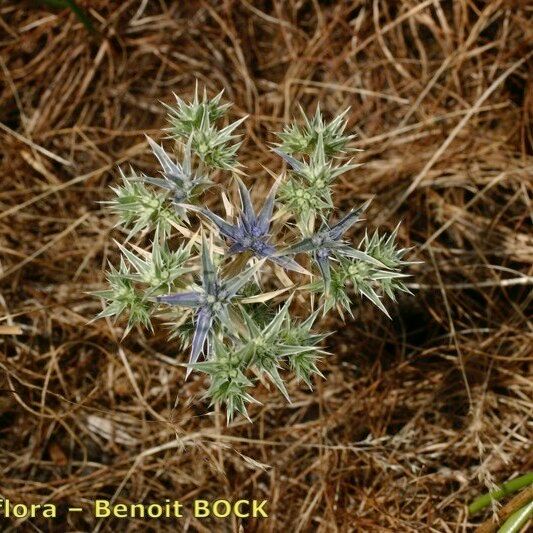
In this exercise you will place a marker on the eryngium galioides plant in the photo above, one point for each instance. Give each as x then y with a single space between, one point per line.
244 289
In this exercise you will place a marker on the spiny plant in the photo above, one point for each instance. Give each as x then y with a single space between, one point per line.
244 289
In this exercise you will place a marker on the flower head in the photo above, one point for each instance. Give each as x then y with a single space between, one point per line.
282 340
216 148
309 188
123 297
251 232
303 139
384 248
141 208
210 301
188 116
160 268
195 122
177 178
328 243
318 171
229 384
373 280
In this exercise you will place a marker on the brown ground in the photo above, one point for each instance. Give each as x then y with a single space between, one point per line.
418 414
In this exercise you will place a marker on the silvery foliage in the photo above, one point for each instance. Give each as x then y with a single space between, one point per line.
244 290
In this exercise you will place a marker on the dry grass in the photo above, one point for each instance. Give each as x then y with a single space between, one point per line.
417 414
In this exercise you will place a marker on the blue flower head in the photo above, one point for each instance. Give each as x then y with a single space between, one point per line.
251 232
211 301
328 242
177 178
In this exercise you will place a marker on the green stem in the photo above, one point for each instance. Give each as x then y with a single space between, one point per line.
62 4
515 522
81 14
505 489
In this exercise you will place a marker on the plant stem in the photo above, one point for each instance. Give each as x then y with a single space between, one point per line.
515 522
63 4
505 489
521 500
81 14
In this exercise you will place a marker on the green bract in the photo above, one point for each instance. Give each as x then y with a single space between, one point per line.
139 208
244 288
124 297
160 268
304 139
195 123
186 117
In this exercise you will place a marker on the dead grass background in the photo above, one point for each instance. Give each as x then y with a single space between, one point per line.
417 414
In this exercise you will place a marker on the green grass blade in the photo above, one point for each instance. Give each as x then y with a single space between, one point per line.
517 520
63 4
504 490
